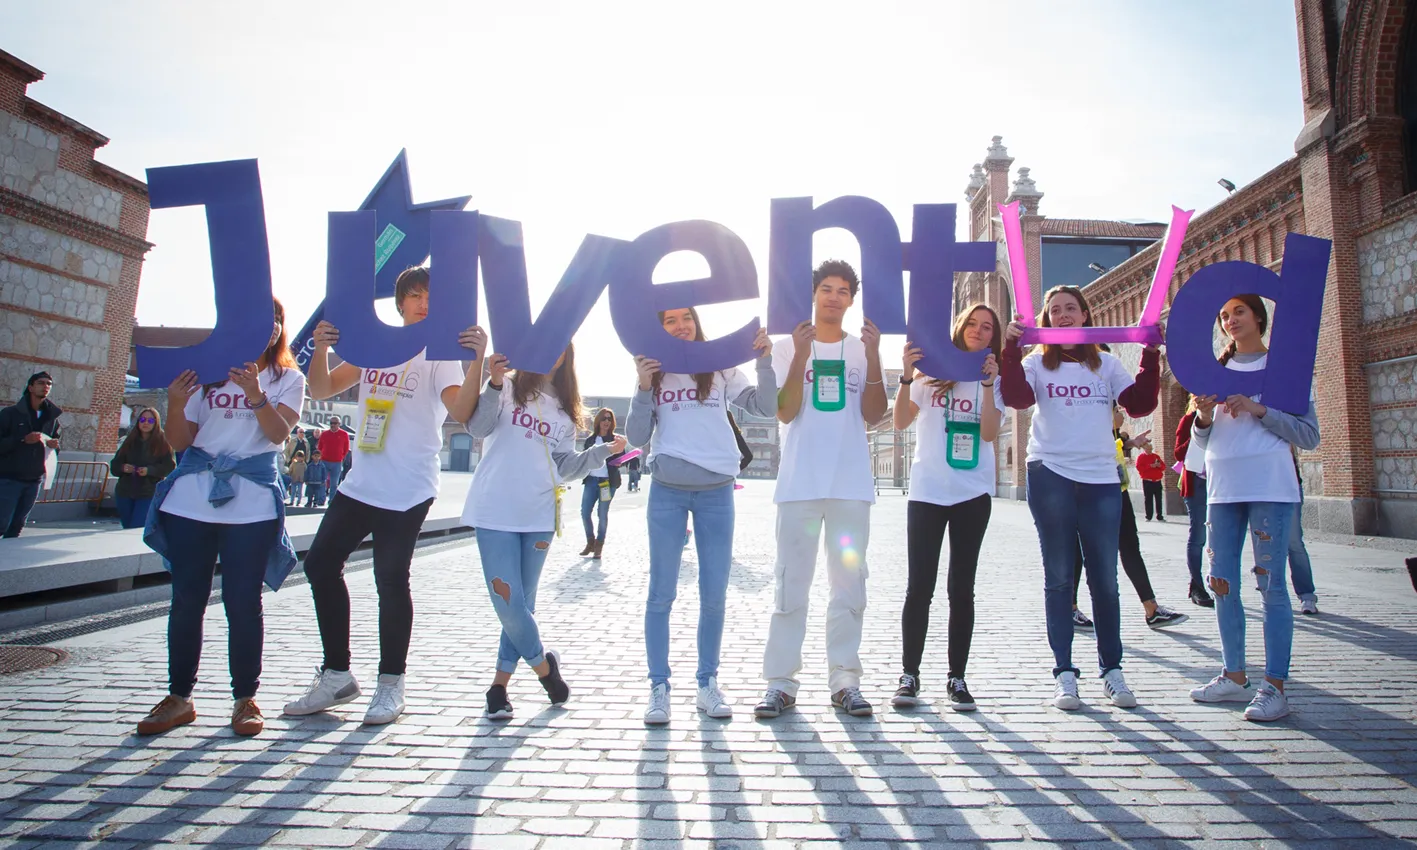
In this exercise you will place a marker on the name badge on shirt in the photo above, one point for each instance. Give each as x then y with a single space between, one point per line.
378 413
963 441
828 384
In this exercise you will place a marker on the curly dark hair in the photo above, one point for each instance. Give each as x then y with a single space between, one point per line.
836 268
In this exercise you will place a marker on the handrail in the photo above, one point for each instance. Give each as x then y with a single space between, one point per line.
77 481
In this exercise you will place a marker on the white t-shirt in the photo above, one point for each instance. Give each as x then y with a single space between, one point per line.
1245 461
513 488
825 454
405 473
694 429
1071 431
602 471
932 479
226 425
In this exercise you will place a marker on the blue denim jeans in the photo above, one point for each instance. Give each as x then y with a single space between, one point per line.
336 471
194 548
16 502
1301 571
133 513
668 511
1195 539
1065 513
590 502
1268 524
511 564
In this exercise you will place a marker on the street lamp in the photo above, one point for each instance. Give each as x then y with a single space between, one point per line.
1226 185
1099 268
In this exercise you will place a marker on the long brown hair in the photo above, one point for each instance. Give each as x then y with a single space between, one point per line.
703 381
1053 354
277 355
156 442
996 343
525 385
1256 305
595 423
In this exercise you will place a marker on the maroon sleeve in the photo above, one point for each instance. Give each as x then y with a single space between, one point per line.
1183 436
1015 389
1140 398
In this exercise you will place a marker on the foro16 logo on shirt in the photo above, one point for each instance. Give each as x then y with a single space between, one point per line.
390 380
522 419
674 398
949 402
1093 393
230 402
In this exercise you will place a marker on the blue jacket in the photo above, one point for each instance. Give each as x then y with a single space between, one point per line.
262 469
316 473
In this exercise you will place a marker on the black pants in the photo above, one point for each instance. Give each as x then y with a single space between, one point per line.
1128 552
1151 494
346 524
925 525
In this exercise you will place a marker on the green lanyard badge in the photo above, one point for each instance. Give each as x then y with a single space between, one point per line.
962 438
829 381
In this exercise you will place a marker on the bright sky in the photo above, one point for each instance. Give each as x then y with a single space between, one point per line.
614 118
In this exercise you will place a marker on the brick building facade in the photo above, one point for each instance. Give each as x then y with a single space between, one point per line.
1353 180
72 241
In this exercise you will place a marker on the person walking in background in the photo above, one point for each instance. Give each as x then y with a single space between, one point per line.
599 487
140 463
296 473
28 429
332 447
1193 493
1301 569
224 503
1151 469
317 481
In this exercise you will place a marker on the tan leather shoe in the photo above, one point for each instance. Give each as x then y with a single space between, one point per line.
246 718
172 712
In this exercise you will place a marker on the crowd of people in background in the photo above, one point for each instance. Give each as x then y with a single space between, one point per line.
213 485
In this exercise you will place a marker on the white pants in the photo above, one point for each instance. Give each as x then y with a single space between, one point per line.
799 527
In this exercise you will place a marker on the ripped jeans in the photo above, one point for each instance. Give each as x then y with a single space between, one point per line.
511 563
1268 524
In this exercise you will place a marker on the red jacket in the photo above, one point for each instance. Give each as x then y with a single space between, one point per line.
333 445
1150 466
1183 444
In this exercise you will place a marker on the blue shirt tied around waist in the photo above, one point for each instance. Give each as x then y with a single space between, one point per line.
262 469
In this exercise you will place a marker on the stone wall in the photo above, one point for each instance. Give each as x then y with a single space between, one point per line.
29 164
1394 403
1386 260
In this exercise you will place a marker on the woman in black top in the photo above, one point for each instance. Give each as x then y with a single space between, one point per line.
142 460
598 488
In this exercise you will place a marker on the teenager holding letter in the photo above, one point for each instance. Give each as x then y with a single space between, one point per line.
831 387
1073 487
392 483
694 460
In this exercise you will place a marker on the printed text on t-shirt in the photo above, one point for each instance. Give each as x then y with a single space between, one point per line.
1095 392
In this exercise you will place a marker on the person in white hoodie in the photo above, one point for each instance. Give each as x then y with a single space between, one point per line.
528 425
1252 484
694 460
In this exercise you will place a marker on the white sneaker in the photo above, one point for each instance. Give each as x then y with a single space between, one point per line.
712 702
1269 704
330 688
1223 689
1116 689
1309 606
387 703
1065 692
658 712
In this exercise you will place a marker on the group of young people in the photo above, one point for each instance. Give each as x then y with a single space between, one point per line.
224 500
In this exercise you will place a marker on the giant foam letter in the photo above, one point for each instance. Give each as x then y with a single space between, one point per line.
933 258
535 347
350 290
404 240
1298 292
1147 331
241 269
794 220
635 300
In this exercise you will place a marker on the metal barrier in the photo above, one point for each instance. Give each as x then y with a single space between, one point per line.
77 481
892 453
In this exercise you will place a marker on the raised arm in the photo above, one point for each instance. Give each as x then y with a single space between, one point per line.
322 381
461 401
1140 398
789 394
904 411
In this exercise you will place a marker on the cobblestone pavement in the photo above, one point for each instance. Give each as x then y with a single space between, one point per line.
1340 770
